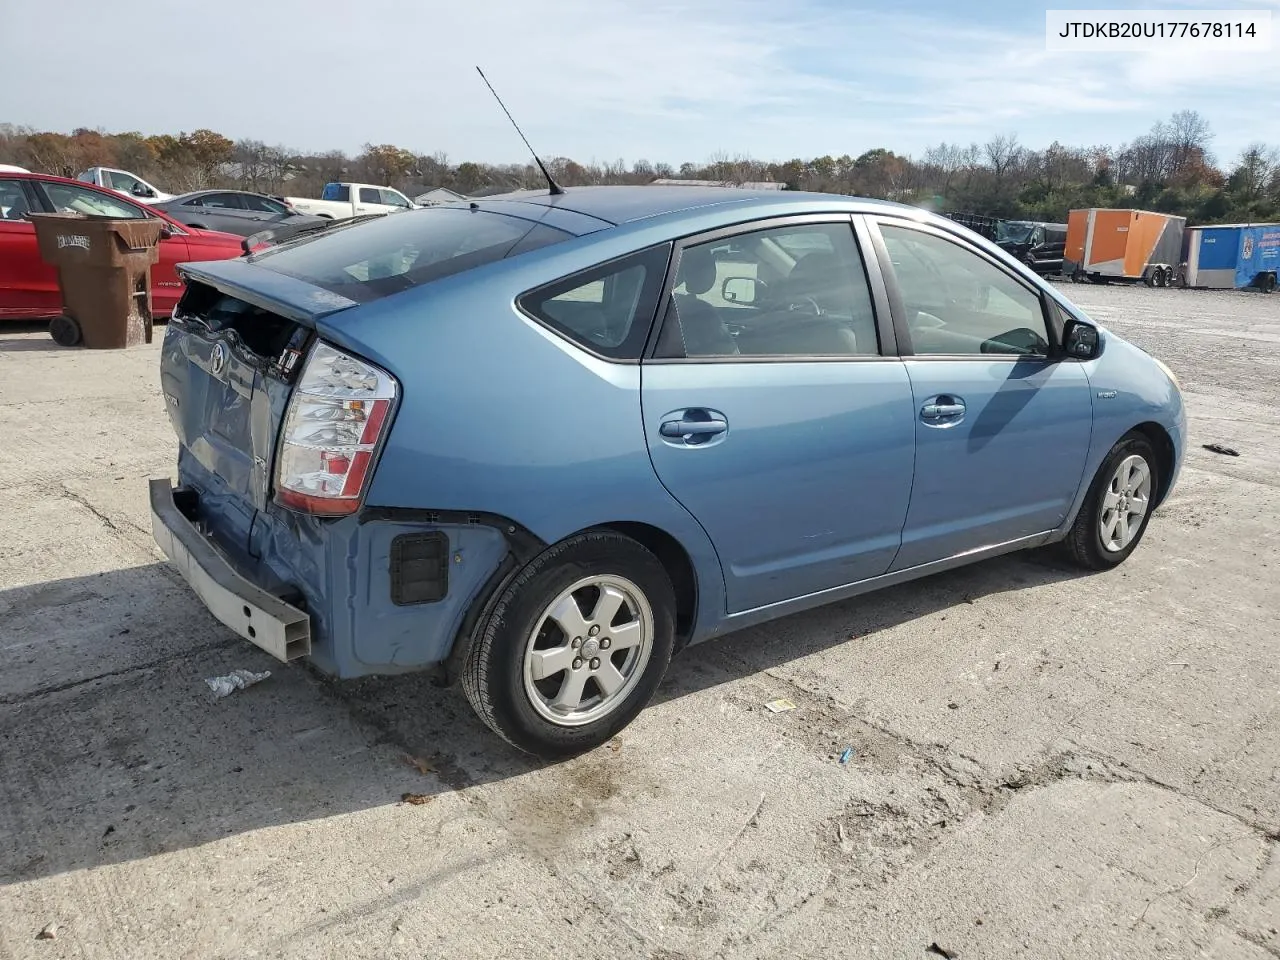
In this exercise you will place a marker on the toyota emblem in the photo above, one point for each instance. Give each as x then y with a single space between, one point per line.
218 360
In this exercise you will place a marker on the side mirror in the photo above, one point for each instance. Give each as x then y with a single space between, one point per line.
738 290
1080 340
166 232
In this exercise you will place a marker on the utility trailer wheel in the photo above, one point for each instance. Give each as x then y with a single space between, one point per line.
64 330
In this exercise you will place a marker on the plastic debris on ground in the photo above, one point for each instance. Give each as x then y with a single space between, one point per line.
50 932
1219 448
235 680
846 755
781 705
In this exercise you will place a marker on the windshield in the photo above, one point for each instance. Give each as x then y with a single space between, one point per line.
369 260
1014 232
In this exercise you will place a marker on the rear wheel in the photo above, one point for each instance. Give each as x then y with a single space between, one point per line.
575 647
1118 507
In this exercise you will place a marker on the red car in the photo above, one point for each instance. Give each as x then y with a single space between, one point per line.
29 286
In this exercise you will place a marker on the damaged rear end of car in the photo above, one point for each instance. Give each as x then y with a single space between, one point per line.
280 430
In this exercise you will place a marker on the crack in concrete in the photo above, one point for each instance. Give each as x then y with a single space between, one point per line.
21 698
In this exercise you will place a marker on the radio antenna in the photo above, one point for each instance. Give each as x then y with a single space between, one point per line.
555 187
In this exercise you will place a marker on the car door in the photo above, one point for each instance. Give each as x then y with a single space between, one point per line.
227 212
264 211
28 285
394 199
369 200
1002 426
166 287
776 410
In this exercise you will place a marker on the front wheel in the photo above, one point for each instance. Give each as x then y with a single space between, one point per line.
1116 511
575 646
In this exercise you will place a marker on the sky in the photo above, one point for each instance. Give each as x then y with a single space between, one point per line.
602 80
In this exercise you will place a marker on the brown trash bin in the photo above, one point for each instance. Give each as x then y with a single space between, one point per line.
104 273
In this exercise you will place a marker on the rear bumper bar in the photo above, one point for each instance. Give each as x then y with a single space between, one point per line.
266 621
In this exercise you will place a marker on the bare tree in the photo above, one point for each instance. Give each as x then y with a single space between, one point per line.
1189 136
1003 153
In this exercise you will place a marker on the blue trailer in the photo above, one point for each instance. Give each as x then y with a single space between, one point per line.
1233 256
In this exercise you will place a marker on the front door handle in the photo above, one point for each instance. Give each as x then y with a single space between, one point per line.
692 428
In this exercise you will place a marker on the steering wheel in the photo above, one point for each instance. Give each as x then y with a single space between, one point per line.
808 304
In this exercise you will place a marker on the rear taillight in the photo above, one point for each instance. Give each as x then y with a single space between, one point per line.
336 418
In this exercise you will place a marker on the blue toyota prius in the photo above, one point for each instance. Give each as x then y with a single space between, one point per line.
541 442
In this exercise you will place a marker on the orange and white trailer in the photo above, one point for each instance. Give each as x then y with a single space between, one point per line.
1123 245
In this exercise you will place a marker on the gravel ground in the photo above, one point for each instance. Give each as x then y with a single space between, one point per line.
1044 764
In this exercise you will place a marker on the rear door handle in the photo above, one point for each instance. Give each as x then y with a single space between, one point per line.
692 428
943 408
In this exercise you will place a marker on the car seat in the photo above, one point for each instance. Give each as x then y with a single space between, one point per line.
692 327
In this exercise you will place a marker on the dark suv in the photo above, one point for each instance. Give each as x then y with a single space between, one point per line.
1039 245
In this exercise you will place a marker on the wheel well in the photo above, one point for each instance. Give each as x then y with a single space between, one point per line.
679 568
1161 440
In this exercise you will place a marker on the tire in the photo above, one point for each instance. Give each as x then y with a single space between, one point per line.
1085 543
499 676
65 331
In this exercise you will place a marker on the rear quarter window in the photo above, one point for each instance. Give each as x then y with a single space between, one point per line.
367 260
607 309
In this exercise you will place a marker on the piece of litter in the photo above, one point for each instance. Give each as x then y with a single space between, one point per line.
941 952
235 680
615 744
953 705
419 764
417 799
50 932
1219 448
846 755
781 705
840 831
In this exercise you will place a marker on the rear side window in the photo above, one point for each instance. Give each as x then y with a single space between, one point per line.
367 260
607 309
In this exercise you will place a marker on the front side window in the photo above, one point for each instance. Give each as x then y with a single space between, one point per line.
262 204
365 260
607 309
71 199
790 291
393 199
122 181
958 303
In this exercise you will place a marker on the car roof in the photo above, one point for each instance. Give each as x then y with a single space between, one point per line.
626 204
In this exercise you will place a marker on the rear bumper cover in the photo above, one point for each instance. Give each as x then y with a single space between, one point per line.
279 628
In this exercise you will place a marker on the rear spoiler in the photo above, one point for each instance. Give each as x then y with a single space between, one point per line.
286 231
296 300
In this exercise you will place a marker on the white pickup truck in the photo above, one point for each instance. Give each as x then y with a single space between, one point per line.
341 201
123 182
